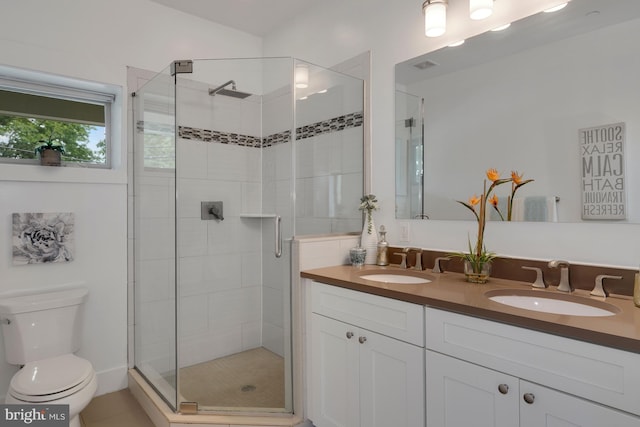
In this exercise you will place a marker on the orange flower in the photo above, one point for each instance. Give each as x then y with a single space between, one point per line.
493 175
516 177
474 200
494 201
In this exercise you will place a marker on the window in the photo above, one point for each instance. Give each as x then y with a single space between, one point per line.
36 109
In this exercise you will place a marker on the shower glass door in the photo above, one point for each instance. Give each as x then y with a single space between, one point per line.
233 149
154 235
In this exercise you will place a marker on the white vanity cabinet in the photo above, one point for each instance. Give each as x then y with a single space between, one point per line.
366 360
484 373
463 394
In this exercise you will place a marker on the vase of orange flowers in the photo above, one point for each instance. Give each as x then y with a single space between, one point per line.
477 262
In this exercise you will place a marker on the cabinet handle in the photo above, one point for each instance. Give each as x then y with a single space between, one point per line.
349 334
503 388
362 340
529 398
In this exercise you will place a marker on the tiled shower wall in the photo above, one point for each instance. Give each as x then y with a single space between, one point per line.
234 293
220 280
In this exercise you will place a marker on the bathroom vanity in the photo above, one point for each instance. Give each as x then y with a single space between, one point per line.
443 354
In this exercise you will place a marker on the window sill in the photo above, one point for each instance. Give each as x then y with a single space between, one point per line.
37 173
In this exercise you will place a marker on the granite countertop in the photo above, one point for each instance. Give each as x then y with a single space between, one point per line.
450 291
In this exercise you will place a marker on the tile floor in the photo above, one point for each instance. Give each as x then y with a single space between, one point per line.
117 409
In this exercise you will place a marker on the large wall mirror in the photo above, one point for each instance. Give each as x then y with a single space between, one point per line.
555 97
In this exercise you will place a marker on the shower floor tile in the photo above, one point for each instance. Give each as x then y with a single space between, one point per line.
249 379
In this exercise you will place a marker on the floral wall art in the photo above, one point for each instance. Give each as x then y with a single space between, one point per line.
42 238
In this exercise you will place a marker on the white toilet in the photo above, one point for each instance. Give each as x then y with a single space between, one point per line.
41 333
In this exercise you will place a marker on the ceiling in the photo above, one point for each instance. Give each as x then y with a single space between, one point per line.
257 17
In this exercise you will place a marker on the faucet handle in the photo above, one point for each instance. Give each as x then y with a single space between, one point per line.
539 282
598 289
436 264
403 255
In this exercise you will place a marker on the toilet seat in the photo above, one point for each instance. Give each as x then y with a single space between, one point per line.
51 379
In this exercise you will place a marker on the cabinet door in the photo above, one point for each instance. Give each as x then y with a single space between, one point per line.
545 407
391 382
333 374
461 394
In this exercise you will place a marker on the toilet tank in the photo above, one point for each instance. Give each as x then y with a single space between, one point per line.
41 325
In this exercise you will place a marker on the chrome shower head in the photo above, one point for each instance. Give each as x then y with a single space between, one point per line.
232 93
220 90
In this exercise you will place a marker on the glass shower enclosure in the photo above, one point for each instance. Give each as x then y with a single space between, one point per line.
232 159
409 145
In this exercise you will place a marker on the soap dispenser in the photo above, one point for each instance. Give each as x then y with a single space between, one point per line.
382 258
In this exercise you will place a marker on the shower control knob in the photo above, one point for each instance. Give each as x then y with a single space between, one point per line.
349 334
362 340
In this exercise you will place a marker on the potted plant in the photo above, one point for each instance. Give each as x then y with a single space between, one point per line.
477 262
50 155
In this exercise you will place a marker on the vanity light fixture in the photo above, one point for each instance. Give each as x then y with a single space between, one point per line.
458 43
480 9
302 76
556 8
435 17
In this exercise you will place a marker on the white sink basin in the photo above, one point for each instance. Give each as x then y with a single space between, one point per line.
395 278
552 303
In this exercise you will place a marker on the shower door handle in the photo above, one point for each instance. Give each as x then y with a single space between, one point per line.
278 251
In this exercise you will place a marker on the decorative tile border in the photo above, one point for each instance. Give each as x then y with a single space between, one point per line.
332 125
207 135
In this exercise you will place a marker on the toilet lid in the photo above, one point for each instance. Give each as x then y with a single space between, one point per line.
51 376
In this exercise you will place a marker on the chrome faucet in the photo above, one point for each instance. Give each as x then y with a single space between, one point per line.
565 284
418 264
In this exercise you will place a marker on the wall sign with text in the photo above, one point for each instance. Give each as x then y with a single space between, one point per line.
603 184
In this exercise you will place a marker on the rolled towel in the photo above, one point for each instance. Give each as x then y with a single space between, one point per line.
540 208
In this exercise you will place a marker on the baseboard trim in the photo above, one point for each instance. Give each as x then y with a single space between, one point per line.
112 380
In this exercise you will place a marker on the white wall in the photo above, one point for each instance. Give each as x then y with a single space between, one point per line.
93 40
393 31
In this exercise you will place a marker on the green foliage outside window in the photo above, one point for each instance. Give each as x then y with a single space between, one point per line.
20 136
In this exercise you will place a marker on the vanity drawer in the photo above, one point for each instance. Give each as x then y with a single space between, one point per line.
602 374
397 319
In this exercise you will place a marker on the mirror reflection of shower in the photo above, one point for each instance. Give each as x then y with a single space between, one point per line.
409 136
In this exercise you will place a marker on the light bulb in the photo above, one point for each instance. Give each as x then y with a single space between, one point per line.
435 17
480 9
302 76
556 8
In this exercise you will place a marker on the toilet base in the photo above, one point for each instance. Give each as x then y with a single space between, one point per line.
75 421
77 402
